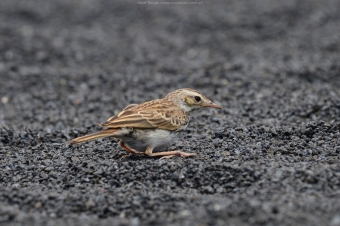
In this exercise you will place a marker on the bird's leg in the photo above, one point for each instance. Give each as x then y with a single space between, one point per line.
167 154
131 151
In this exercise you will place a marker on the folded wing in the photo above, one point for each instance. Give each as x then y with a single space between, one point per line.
150 115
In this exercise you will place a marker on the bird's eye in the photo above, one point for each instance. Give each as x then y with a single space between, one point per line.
197 98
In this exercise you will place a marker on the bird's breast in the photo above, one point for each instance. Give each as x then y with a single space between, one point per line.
183 126
140 139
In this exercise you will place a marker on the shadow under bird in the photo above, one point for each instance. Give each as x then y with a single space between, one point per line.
148 128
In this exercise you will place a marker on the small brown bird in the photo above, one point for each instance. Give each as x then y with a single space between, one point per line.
150 127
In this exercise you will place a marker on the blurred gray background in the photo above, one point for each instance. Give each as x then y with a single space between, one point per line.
270 157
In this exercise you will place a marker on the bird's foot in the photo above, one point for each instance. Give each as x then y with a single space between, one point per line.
131 154
170 154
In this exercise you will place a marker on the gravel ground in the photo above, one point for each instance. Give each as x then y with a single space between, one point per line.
270 157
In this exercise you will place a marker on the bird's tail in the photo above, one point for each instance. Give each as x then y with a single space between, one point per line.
100 134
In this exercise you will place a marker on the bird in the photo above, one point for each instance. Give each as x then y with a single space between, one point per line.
148 128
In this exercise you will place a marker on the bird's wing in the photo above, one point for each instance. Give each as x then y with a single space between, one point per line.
129 107
150 115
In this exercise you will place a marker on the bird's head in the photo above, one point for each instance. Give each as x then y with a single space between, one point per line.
190 100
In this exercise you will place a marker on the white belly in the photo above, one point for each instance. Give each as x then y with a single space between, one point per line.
139 139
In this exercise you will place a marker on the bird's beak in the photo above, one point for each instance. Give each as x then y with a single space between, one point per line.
211 105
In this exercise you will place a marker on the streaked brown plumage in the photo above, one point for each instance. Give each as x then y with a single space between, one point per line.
153 125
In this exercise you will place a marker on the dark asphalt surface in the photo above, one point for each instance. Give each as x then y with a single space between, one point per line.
270 157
